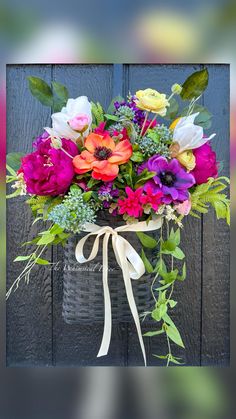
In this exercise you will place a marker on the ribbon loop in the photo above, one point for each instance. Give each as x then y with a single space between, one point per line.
130 263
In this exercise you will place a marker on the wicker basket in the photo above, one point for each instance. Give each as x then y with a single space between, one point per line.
83 299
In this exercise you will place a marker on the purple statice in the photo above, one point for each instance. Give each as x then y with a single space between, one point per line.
171 179
42 137
138 115
106 193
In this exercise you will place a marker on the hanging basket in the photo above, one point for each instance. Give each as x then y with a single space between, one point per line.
83 298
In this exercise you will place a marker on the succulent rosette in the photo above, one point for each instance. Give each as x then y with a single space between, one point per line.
142 160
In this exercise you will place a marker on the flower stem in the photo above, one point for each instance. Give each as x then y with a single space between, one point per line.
153 119
66 153
144 123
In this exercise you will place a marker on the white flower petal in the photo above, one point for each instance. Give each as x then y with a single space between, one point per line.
62 128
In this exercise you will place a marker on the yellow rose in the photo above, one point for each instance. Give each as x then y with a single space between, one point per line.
152 101
187 159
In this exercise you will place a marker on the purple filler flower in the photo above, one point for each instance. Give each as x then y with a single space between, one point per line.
106 193
171 179
41 138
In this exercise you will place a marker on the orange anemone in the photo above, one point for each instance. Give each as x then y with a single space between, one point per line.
102 156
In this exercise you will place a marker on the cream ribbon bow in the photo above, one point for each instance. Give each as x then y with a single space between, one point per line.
130 263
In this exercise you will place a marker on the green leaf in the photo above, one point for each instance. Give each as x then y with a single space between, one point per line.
146 240
143 177
159 312
172 110
87 196
204 117
137 157
14 162
13 194
168 320
56 229
168 245
174 335
47 238
60 91
147 264
178 253
41 90
195 85
40 261
111 117
183 276
172 303
161 356
174 360
22 258
111 107
169 277
154 333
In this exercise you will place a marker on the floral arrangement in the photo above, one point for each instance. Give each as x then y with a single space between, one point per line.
146 159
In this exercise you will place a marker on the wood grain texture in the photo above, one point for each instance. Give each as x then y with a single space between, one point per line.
36 332
216 238
29 310
187 314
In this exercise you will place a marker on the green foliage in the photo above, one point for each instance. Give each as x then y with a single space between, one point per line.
141 179
210 193
204 117
14 162
194 85
172 110
42 205
97 113
147 264
55 96
111 108
146 240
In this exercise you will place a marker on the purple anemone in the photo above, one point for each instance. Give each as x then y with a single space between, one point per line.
171 179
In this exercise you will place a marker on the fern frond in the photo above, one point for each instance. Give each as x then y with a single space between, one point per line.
97 112
210 194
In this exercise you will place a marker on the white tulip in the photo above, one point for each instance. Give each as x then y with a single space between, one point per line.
188 135
75 108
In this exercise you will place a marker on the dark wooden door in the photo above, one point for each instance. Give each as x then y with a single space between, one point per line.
36 333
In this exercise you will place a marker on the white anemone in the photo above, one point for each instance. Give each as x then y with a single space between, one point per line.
188 135
60 120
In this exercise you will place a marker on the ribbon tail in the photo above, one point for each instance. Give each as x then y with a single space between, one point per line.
107 302
132 305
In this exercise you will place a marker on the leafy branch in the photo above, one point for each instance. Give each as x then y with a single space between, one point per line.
210 193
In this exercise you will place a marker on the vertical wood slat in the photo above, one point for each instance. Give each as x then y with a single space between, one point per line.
29 314
34 335
215 247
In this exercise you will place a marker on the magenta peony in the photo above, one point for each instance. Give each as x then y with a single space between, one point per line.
206 164
49 171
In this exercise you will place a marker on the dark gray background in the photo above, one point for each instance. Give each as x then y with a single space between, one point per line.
36 333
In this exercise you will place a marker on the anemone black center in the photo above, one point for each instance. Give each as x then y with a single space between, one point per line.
102 153
167 178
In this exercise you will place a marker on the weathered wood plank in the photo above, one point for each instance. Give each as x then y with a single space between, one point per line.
216 240
187 314
29 324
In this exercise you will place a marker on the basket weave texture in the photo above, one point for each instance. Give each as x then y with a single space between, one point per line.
83 300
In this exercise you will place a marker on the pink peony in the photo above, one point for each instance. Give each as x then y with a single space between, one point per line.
49 171
184 207
131 204
206 164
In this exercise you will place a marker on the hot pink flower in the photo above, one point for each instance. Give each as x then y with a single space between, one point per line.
206 164
49 171
131 205
152 198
